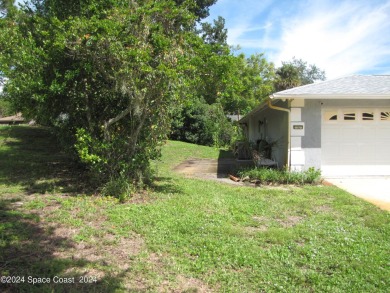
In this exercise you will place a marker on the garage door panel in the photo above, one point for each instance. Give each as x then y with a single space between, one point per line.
332 153
331 132
356 147
349 134
349 153
368 135
367 154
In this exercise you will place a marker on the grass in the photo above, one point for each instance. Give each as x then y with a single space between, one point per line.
182 235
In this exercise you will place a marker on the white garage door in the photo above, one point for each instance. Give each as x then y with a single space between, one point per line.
355 142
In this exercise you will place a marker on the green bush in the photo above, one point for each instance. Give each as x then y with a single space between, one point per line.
204 124
118 187
266 176
5 108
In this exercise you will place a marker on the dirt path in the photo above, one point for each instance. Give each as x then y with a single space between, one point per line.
208 169
219 170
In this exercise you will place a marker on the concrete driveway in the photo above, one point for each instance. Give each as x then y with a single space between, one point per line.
374 189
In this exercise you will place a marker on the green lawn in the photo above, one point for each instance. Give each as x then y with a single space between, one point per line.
182 235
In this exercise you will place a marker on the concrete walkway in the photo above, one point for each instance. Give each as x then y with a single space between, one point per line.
375 189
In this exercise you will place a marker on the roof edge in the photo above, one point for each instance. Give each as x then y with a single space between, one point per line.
350 96
259 108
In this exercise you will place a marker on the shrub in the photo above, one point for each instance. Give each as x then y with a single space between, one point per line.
118 187
204 124
265 175
5 108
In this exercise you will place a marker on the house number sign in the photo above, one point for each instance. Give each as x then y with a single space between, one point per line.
297 128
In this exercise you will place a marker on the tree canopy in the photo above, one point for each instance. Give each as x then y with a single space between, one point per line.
296 73
200 8
6 6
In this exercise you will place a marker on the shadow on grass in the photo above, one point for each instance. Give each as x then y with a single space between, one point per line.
30 158
27 249
165 185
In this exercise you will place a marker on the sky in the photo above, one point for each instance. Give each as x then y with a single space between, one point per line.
341 37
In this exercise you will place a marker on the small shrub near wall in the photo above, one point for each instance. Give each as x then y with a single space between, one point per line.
267 176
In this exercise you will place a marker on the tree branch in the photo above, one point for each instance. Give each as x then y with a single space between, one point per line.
136 134
114 120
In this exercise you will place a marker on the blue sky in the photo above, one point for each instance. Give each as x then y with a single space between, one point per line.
342 37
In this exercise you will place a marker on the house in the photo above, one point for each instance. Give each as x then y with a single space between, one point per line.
340 126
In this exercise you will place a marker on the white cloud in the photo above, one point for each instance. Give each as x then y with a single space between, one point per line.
341 39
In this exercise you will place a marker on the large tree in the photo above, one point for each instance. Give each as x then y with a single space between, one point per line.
215 34
251 80
105 73
235 81
296 73
200 8
6 7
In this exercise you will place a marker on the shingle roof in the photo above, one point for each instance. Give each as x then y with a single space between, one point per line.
351 86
